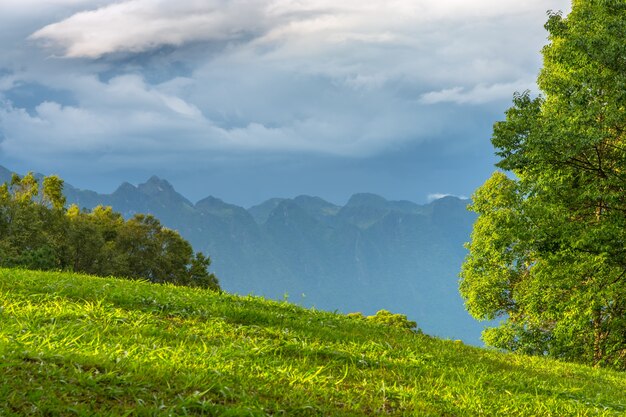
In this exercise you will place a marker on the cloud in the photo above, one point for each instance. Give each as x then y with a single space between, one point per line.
37 6
478 94
122 115
139 25
343 78
438 196
126 116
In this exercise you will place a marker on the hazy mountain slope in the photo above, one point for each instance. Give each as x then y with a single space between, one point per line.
5 175
367 255
261 212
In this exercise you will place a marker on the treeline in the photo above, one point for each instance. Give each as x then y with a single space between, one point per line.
37 231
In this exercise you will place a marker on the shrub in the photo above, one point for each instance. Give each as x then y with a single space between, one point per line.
387 318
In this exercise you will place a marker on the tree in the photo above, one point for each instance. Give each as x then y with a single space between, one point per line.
37 232
32 234
198 274
146 249
52 192
548 251
87 248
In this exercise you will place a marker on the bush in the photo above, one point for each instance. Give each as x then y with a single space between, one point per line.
387 318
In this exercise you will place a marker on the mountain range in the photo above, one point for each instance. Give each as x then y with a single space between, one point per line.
366 255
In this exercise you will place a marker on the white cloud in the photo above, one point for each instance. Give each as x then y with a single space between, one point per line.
478 94
139 25
438 196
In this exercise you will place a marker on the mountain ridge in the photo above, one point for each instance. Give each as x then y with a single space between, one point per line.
366 255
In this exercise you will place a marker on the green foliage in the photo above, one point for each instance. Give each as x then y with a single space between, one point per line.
197 274
37 232
30 233
113 347
547 251
52 192
386 318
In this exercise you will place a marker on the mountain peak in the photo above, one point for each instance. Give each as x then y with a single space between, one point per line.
155 180
312 200
125 187
367 199
214 204
288 213
450 201
156 189
155 185
210 200
261 212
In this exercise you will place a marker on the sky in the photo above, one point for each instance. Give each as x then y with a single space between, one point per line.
251 99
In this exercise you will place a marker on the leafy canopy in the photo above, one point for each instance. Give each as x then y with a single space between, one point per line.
37 232
548 251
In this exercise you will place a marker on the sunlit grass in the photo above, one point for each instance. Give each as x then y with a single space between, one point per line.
77 345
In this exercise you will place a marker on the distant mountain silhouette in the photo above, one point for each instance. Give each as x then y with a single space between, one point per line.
5 175
368 255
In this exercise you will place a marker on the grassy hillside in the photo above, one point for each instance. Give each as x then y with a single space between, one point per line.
76 345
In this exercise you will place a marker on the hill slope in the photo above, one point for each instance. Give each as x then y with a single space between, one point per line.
82 345
367 255
364 256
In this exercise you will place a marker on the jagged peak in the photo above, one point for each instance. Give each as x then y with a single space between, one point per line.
155 179
125 187
155 184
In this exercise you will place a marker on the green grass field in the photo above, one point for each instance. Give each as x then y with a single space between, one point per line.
78 345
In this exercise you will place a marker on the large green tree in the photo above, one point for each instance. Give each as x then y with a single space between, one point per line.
548 251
